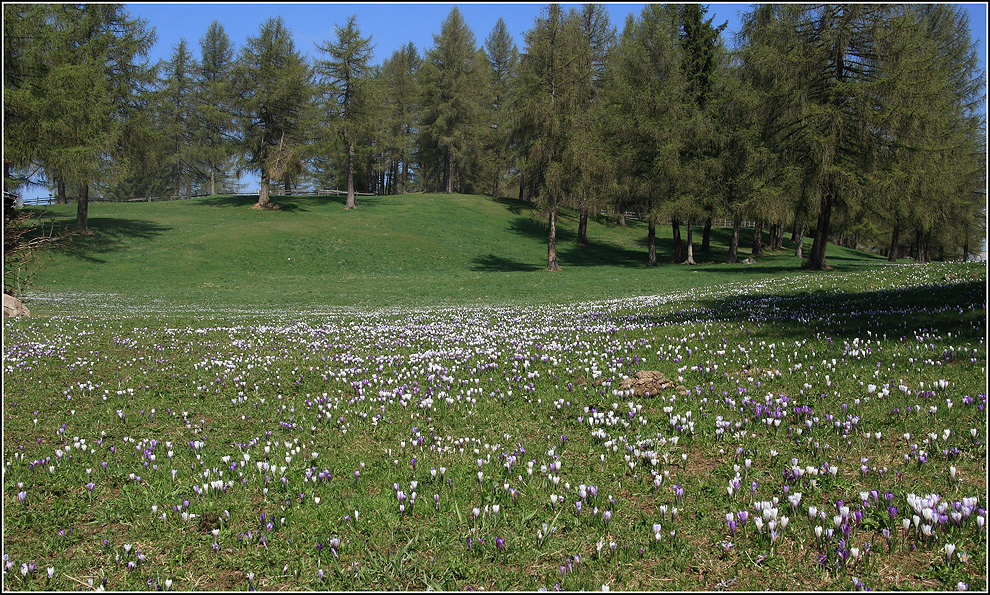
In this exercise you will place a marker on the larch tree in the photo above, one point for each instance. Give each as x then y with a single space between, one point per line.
216 104
550 83
178 119
345 75
650 115
926 116
94 60
503 64
592 165
701 46
26 28
818 57
399 74
453 84
274 87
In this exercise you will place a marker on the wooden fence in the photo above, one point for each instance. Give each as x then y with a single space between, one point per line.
333 192
716 222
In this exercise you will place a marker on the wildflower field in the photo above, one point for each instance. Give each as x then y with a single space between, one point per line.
818 432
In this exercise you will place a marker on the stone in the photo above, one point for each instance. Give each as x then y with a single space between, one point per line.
13 308
749 260
646 383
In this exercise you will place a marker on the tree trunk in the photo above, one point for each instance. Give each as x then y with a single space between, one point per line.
778 244
448 172
350 175
733 256
802 228
9 202
263 193
773 237
965 251
817 261
552 243
690 243
757 238
622 219
895 237
60 198
405 172
522 186
651 242
678 245
706 236
582 237
82 210
213 182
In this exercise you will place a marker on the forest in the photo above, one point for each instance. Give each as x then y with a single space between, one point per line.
857 124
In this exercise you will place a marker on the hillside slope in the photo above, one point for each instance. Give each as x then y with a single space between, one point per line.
414 249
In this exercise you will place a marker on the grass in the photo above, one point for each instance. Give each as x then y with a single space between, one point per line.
405 250
160 432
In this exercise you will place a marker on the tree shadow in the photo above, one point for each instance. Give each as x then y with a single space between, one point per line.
108 234
291 202
844 314
570 253
514 205
493 263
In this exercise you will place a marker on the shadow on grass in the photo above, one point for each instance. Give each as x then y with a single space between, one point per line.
897 311
109 234
493 263
570 253
290 203
514 205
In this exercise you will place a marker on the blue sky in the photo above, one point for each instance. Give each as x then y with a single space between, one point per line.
392 25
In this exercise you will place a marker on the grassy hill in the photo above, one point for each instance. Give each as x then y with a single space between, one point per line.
414 249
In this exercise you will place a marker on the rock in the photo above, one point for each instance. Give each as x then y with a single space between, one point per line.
646 383
749 260
13 307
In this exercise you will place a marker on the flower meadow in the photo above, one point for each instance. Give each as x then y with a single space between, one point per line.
819 432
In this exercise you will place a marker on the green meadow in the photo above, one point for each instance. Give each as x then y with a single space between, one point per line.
211 397
407 250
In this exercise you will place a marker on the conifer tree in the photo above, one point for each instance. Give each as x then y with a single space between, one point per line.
453 87
592 165
503 62
346 74
274 87
701 47
179 119
216 104
93 64
649 99
551 83
400 97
